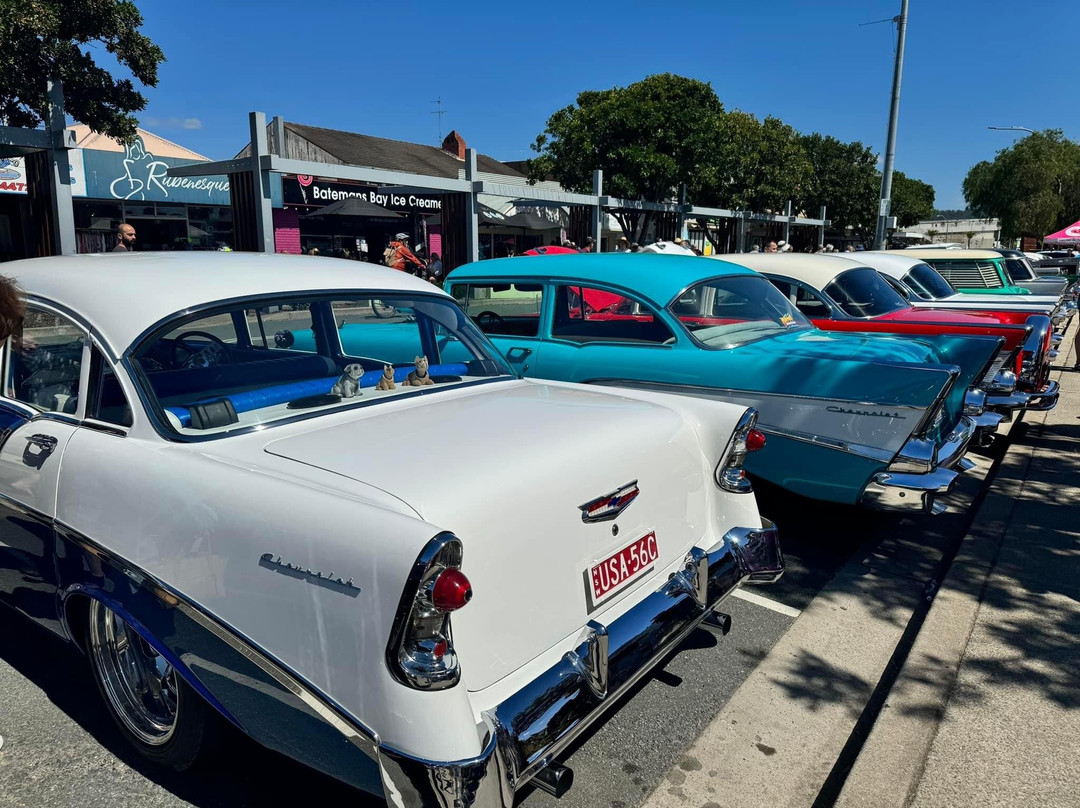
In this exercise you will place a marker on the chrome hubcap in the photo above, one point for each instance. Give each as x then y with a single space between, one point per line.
138 682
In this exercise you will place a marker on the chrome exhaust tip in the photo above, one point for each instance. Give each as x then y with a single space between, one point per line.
554 779
719 620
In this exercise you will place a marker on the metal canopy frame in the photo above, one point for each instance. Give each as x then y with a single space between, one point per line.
263 162
55 139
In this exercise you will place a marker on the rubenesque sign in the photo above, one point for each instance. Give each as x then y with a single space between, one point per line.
307 190
136 174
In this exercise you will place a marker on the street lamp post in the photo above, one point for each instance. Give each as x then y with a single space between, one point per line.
884 209
1012 129
946 221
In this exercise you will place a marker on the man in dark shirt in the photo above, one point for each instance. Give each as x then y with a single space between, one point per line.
125 238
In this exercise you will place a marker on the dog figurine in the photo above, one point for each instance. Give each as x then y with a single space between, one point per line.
419 377
348 385
387 380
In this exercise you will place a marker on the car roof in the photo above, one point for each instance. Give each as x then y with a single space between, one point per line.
895 265
122 294
657 277
955 255
816 269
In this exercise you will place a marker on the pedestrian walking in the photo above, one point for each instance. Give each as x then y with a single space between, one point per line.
622 245
125 238
770 247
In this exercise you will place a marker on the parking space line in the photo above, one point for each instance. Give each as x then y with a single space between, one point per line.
776 606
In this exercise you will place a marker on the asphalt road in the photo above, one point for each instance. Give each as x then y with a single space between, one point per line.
62 751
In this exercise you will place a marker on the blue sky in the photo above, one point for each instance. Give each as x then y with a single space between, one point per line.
502 68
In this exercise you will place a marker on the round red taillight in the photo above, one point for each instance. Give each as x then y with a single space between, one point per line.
451 591
755 439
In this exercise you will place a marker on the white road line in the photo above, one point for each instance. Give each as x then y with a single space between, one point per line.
776 606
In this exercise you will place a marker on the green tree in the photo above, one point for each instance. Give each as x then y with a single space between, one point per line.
648 138
845 180
912 200
1033 186
55 39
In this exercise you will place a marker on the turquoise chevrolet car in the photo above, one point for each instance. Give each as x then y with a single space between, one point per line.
852 418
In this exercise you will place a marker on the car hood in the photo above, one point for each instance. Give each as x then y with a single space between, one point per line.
506 467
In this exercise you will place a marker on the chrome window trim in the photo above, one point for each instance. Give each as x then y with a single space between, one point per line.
638 298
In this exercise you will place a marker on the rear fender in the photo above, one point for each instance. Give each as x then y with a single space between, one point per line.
254 693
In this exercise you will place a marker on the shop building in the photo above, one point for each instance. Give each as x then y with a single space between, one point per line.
112 183
358 220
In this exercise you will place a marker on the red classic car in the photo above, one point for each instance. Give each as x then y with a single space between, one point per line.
842 294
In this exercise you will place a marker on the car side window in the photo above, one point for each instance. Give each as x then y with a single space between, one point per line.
274 327
108 402
899 287
805 300
45 362
583 314
506 309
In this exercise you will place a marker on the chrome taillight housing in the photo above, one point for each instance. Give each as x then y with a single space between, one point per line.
730 474
421 653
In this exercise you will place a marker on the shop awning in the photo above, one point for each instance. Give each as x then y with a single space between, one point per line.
1070 233
489 217
354 206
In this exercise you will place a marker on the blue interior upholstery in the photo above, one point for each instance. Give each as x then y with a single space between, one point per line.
279 369
283 393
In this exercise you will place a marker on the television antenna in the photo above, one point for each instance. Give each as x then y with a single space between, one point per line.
440 112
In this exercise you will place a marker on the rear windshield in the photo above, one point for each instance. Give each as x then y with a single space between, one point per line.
925 281
724 312
864 293
1018 269
262 361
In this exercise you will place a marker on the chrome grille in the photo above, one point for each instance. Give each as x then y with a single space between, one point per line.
995 366
969 274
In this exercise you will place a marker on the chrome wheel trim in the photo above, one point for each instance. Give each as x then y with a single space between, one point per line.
139 683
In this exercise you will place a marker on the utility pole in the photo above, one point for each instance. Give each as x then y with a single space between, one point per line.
881 233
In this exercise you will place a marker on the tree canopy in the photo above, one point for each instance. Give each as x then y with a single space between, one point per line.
665 130
54 39
1033 186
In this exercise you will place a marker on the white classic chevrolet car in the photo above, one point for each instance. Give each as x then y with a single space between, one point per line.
406 568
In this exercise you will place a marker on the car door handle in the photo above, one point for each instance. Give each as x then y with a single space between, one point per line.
44 442
518 353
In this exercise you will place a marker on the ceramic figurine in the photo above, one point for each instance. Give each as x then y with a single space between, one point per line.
419 377
387 380
348 386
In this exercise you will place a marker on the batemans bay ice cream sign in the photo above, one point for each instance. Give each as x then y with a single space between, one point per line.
134 174
307 190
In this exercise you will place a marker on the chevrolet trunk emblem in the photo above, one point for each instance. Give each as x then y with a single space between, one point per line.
607 507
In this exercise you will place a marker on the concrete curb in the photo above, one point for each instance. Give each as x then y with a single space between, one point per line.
891 764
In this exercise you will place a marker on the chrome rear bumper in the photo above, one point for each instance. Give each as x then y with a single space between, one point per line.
909 490
527 731
1006 404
